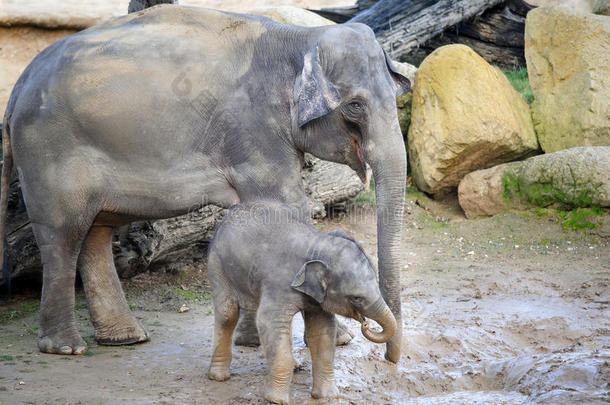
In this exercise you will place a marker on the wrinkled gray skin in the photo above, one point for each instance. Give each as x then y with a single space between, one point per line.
263 258
156 113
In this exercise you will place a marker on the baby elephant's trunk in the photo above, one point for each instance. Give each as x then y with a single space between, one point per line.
380 313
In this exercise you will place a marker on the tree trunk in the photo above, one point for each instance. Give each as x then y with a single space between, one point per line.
404 25
496 35
173 243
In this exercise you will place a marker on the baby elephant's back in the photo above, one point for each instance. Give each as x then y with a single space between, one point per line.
258 236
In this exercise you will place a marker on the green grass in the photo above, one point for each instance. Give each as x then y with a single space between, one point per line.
520 81
192 295
580 218
24 309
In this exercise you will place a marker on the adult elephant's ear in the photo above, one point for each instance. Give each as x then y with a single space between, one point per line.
314 94
403 85
311 280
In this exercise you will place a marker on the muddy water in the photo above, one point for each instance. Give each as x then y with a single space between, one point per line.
504 325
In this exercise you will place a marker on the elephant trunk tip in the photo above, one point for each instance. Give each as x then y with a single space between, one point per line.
388 323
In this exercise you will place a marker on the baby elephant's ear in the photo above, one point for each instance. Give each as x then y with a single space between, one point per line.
311 280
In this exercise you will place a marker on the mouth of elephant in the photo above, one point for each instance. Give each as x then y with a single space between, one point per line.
361 169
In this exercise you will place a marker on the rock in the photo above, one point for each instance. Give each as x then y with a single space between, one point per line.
292 15
582 6
403 105
568 62
139 5
602 7
466 116
173 243
571 178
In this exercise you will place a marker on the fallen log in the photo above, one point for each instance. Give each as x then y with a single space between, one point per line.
496 35
401 26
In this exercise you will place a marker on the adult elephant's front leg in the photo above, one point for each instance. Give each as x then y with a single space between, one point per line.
113 321
246 333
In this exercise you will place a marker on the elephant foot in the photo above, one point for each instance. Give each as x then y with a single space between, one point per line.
218 372
277 396
126 331
344 335
68 341
246 333
326 391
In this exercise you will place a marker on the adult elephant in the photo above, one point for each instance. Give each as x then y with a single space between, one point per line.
156 113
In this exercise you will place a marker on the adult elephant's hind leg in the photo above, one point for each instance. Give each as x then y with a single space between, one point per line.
59 251
113 321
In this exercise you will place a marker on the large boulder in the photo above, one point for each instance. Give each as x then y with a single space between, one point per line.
583 6
292 15
568 61
572 178
466 116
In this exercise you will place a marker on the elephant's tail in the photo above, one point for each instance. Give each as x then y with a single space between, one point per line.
7 170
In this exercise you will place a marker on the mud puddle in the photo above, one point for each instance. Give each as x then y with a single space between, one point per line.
501 325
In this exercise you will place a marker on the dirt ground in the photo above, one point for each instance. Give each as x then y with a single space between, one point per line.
506 310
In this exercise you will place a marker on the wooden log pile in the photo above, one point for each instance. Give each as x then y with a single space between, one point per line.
410 30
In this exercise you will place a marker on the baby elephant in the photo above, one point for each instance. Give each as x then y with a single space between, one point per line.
263 259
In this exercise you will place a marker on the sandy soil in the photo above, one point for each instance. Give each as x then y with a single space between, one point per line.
506 310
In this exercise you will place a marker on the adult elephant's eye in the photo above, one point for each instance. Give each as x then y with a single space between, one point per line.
356 105
355 300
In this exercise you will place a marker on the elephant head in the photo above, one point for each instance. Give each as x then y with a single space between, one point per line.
343 282
345 111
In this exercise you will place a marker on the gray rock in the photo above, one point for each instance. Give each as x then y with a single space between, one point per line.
571 178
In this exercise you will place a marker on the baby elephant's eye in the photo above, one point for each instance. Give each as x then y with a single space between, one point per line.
356 105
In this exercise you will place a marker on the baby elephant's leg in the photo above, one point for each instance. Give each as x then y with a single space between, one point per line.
226 313
275 330
320 329
225 319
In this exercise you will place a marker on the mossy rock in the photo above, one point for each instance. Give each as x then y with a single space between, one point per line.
569 179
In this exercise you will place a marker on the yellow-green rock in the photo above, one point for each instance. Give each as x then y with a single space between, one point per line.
466 116
568 62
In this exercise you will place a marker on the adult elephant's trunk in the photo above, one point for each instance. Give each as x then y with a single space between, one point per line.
385 152
380 313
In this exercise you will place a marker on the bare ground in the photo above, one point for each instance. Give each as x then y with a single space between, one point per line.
506 310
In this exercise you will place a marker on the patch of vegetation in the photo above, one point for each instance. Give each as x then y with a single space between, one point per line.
24 309
365 198
520 81
580 218
545 194
88 353
5 357
541 212
192 295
